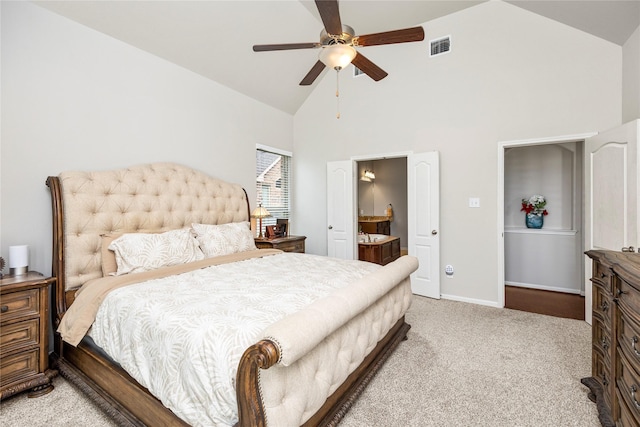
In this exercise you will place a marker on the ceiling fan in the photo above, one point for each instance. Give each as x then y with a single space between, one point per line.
338 43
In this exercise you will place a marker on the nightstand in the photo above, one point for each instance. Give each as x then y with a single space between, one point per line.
287 244
24 335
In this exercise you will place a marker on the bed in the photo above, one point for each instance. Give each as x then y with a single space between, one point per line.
305 334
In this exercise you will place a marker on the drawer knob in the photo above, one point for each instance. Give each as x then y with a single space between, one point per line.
4 308
634 341
605 381
633 396
604 306
602 275
605 344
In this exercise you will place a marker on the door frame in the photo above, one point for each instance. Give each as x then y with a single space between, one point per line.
502 146
434 274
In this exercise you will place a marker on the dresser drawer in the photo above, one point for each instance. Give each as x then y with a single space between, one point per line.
628 383
17 305
628 299
602 340
626 415
601 371
602 275
286 244
19 334
19 366
292 246
601 303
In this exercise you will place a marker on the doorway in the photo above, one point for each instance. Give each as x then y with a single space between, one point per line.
542 270
423 214
382 185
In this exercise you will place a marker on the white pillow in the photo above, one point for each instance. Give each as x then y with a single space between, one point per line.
224 239
137 252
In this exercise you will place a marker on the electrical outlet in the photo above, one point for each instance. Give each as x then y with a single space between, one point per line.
448 270
474 202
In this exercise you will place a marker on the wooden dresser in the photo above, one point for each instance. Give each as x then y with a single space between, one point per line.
24 335
287 244
615 380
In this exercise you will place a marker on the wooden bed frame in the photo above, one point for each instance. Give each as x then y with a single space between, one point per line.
130 404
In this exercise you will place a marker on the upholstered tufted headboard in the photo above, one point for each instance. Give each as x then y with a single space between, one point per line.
151 197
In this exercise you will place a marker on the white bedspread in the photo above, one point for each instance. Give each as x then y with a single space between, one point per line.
210 315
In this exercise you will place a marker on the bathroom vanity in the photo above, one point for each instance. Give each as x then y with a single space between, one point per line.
378 248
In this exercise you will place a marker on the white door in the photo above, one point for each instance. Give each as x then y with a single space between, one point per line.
611 194
340 209
423 186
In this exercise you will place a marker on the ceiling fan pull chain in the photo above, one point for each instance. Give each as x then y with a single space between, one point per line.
337 93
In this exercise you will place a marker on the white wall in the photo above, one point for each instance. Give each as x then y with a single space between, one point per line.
510 75
631 78
76 99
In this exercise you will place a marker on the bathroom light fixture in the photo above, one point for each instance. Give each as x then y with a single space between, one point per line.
368 176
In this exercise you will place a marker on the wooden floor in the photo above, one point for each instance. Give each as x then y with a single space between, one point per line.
557 304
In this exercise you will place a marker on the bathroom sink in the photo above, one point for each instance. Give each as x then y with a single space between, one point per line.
382 249
372 238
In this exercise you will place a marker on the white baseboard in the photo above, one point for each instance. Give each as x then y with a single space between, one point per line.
544 288
471 300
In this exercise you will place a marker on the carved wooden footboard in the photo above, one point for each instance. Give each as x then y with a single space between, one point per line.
264 355
127 403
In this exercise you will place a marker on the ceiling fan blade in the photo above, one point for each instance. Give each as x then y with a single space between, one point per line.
369 68
284 46
312 74
330 14
414 34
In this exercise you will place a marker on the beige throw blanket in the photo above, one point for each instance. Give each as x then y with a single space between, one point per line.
80 316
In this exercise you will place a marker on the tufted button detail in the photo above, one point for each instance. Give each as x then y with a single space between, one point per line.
140 198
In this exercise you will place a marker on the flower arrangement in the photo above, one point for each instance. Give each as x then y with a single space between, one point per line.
534 205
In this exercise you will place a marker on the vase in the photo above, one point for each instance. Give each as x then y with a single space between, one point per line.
534 220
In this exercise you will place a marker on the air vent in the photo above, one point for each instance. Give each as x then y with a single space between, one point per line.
440 46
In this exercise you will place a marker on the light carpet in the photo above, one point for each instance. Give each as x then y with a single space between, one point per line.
462 365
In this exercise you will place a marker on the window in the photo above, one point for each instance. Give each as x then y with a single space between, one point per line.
273 181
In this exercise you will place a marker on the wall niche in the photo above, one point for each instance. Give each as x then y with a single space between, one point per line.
549 258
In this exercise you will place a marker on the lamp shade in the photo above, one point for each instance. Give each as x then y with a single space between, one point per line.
260 212
337 56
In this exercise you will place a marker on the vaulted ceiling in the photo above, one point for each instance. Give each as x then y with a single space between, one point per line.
215 38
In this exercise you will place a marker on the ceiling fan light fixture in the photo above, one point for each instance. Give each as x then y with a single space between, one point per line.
337 56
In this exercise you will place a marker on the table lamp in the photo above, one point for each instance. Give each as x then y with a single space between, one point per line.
260 213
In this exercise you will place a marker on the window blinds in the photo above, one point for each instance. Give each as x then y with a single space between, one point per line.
273 173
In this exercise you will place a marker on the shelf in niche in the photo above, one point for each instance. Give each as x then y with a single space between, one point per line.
524 230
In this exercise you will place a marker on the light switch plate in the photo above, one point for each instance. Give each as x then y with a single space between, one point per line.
474 202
